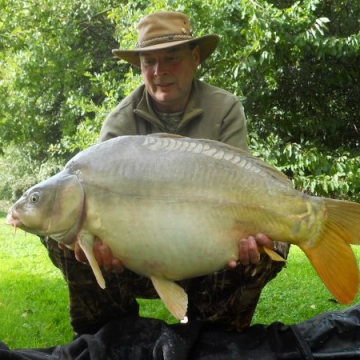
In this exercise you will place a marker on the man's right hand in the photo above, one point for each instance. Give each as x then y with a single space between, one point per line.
103 256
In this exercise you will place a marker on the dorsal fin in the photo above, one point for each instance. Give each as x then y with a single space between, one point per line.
217 150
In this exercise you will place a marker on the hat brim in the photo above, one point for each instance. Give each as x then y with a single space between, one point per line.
207 44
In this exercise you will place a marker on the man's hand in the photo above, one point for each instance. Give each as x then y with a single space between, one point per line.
102 255
248 250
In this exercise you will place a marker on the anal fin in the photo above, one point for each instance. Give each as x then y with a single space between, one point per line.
173 296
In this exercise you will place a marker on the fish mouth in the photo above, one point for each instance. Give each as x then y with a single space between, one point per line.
13 220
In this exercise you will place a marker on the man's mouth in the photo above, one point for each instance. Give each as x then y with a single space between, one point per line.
164 85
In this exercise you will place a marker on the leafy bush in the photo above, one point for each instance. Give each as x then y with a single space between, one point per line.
315 170
293 64
19 171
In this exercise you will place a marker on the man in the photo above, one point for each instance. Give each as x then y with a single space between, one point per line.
171 100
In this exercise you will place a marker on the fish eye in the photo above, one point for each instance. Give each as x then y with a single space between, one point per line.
34 197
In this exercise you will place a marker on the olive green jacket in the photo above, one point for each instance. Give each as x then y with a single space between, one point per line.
211 113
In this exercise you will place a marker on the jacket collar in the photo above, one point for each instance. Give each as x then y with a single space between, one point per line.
192 110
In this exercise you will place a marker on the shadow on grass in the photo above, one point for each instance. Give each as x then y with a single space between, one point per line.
2 214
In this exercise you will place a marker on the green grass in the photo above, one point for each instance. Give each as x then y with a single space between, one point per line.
297 293
34 301
33 294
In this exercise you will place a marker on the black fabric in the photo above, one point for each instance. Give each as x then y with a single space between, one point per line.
333 335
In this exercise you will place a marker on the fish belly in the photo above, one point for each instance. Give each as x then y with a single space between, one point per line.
171 239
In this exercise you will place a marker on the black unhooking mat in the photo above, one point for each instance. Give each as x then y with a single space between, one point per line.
333 335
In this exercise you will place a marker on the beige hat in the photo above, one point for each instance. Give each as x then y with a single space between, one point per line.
162 30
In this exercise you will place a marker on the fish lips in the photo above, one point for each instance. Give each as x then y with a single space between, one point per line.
13 220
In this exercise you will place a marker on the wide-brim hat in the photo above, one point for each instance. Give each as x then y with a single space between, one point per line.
166 29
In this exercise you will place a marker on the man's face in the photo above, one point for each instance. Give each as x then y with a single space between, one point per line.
168 76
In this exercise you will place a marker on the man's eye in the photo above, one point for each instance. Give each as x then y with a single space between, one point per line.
148 61
173 59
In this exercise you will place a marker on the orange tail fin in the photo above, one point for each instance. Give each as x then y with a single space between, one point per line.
332 256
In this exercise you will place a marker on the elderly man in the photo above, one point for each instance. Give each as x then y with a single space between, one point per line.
171 100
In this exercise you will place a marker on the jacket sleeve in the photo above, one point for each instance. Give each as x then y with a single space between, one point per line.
119 122
233 127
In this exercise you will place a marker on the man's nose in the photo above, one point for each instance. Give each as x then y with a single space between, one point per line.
160 68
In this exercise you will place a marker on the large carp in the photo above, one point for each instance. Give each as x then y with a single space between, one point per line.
172 208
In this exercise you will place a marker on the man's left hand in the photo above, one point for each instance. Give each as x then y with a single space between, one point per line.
248 250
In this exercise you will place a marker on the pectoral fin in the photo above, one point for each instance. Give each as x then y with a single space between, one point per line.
86 242
173 296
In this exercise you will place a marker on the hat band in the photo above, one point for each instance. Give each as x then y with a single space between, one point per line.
162 39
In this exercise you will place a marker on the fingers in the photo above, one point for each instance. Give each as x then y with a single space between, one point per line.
117 266
232 264
263 240
79 254
103 256
248 251
61 246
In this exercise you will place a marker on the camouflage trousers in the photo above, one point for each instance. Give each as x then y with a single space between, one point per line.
228 297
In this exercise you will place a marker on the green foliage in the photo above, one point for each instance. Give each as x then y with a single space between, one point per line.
49 49
294 64
315 170
20 169
299 72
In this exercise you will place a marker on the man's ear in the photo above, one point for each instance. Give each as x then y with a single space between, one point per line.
196 55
